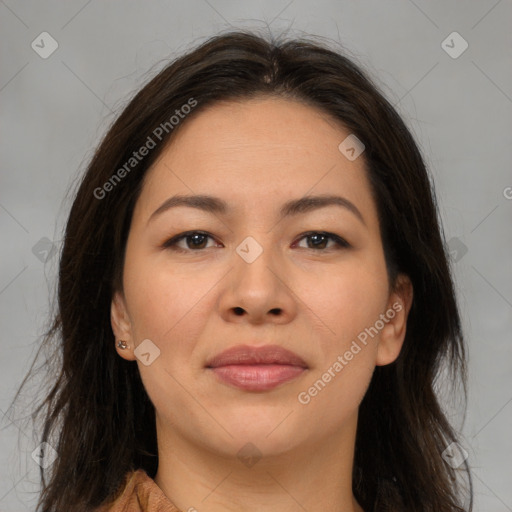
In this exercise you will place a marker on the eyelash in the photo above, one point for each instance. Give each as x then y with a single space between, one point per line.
171 243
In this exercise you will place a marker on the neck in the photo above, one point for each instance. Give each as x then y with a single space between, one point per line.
316 477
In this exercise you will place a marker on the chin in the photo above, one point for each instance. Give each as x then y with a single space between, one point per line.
270 434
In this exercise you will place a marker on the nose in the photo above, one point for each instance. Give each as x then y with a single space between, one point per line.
259 290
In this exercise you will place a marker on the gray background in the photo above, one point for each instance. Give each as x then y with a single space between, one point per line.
55 110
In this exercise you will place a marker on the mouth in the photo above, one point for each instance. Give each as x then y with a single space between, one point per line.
256 368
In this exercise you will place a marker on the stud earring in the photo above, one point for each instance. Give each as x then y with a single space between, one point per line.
122 344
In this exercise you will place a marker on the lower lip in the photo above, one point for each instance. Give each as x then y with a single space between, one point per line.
257 377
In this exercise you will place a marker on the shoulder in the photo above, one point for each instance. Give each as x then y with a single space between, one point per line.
139 493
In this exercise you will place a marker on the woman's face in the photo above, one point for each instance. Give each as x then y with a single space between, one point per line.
258 278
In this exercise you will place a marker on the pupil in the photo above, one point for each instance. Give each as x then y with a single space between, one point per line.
317 239
195 239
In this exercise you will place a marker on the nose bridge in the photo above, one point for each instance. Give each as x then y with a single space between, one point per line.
257 286
256 255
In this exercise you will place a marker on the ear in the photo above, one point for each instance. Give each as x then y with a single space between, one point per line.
393 334
121 326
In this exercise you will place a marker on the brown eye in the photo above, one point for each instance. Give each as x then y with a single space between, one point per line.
197 241
319 240
194 240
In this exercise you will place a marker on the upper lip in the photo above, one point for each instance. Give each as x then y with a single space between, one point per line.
246 354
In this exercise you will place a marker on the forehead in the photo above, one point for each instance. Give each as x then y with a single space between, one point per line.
247 150
276 123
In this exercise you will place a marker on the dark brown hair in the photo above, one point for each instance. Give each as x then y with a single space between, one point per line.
97 410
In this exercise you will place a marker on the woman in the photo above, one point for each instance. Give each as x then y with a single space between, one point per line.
254 299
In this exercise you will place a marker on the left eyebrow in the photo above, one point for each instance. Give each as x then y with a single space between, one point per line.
309 203
217 206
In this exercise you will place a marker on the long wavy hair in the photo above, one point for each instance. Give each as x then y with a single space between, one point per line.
96 413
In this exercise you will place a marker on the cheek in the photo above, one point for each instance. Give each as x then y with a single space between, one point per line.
161 300
347 302
331 397
349 308
170 309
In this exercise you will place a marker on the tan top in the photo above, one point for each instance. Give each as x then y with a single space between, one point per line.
140 494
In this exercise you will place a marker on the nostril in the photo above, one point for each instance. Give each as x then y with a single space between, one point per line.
239 311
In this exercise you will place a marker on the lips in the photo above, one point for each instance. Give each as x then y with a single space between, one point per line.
247 355
256 368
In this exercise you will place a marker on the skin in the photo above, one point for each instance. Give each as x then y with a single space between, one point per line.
256 155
